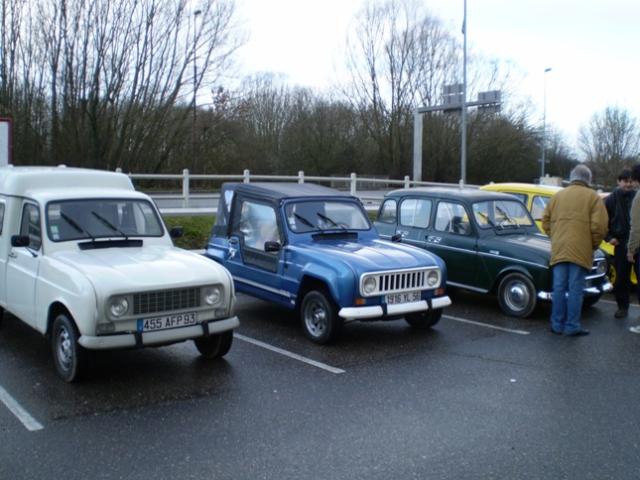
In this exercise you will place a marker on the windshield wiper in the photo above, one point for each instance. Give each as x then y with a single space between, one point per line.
75 225
511 221
109 224
331 221
305 221
486 217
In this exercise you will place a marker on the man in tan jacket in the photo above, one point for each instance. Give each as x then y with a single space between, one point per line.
576 221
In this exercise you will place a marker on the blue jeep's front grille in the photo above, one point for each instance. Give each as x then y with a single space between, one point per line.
390 282
398 281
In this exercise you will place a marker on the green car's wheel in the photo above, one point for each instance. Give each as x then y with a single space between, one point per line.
517 295
590 301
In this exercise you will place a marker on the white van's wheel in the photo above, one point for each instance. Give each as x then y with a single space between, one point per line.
68 355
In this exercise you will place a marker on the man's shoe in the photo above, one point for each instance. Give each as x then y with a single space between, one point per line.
635 329
578 333
621 313
554 331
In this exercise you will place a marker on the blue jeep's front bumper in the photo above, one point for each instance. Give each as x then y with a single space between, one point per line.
379 311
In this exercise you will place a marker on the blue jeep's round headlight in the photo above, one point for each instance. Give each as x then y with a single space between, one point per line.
602 268
433 278
369 285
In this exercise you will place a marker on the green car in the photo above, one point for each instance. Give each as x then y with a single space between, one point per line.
488 240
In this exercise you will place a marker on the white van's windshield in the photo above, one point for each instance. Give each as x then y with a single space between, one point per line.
102 218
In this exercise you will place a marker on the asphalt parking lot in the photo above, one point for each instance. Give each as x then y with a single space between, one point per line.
481 396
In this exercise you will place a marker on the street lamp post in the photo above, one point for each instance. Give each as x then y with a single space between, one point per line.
544 124
463 140
195 85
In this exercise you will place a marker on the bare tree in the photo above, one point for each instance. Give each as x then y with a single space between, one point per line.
382 56
116 76
610 141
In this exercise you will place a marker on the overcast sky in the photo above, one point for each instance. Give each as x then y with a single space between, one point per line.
591 45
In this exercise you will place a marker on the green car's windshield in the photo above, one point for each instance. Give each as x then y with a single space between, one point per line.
321 215
501 213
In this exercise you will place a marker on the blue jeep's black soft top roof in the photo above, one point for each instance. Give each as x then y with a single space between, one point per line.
278 191
272 192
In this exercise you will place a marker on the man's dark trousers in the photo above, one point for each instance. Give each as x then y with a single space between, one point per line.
623 284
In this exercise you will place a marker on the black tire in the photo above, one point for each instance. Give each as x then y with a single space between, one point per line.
517 295
424 320
319 316
590 301
68 355
214 346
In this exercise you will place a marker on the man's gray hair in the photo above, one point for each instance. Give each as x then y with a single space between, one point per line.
581 173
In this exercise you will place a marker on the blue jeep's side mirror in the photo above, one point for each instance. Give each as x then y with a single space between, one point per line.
271 247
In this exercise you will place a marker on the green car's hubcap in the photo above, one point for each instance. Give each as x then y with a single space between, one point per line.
517 296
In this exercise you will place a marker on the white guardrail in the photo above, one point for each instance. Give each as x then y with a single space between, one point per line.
191 204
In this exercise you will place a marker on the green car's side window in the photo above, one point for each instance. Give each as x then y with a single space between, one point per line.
388 212
538 206
415 212
452 218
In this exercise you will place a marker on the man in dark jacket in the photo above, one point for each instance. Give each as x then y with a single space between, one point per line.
618 207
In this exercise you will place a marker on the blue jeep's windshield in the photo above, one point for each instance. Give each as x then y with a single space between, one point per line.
321 215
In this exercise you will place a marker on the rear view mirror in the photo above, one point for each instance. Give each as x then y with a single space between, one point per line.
396 237
20 241
176 232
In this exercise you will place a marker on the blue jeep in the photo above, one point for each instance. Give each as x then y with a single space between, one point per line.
313 249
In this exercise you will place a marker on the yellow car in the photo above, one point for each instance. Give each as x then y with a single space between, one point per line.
536 197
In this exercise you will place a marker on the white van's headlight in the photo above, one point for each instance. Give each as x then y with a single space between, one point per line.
118 306
212 295
433 278
369 285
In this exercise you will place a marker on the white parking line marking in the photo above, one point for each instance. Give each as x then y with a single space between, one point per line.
286 353
614 303
486 325
21 414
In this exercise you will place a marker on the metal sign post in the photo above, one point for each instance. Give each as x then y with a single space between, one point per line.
6 142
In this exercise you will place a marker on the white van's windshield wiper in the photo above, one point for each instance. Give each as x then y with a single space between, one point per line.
109 224
75 225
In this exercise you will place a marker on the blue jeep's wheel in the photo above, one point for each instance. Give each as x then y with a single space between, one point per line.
319 316
424 320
